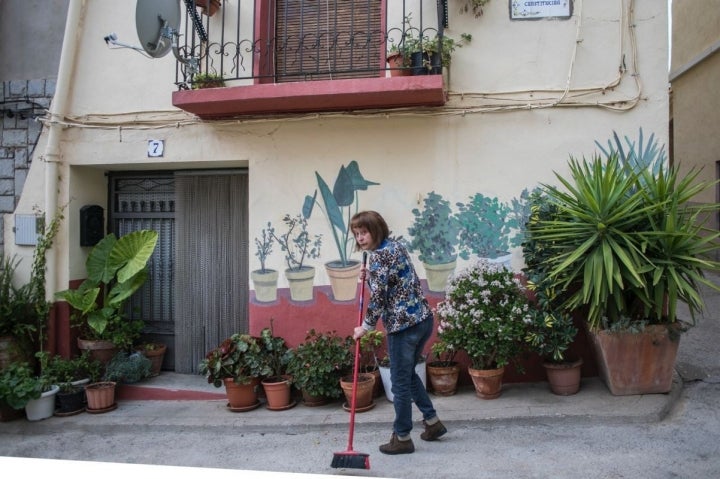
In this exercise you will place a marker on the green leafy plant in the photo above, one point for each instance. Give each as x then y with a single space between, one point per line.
443 354
18 385
434 232
68 370
370 344
127 368
629 244
296 242
484 227
239 357
207 80
485 313
16 310
339 205
116 269
552 329
445 45
317 364
275 353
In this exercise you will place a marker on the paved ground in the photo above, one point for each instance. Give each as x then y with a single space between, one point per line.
527 433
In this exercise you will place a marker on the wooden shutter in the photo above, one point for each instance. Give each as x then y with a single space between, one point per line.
328 39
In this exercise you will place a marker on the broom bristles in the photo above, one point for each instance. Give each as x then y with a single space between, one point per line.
350 460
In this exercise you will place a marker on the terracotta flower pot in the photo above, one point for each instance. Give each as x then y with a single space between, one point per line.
100 396
488 382
564 378
443 379
241 397
364 396
277 393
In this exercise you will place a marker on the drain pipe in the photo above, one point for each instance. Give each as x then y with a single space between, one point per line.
58 109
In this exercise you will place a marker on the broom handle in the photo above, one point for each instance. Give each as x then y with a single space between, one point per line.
357 361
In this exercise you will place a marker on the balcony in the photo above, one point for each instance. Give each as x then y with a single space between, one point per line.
299 56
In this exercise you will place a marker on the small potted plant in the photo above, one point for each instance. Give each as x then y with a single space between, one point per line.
298 245
155 352
71 375
443 370
127 368
238 363
486 313
317 364
276 384
434 234
552 330
265 279
207 80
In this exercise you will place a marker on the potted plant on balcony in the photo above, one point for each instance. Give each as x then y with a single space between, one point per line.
428 55
298 244
207 80
317 364
116 268
484 229
434 234
339 205
237 363
636 234
265 279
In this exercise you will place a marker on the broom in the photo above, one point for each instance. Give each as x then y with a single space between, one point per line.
349 458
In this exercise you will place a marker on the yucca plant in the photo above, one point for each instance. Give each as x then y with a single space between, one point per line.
627 244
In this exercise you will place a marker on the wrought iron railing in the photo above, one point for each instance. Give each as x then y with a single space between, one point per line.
304 40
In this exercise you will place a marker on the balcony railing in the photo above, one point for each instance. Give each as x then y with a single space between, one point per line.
274 41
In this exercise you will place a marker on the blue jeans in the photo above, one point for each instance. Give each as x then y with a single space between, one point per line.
405 348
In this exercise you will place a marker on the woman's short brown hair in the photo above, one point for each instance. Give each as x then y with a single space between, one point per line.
374 223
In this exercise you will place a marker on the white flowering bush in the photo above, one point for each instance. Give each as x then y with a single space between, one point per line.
486 313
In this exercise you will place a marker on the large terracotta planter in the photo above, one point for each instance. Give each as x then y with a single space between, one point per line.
636 363
102 351
487 382
564 378
241 397
364 396
443 379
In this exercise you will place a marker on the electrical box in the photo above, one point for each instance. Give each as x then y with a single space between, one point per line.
27 229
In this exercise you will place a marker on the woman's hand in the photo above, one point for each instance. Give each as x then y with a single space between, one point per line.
359 332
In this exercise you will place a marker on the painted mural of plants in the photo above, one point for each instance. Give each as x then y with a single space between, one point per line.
296 242
298 245
520 209
339 205
434 235
484 227
264 279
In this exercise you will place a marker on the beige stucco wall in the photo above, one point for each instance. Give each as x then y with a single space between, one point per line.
501 132
695 75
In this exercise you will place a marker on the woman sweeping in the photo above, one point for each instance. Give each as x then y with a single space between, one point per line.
397 298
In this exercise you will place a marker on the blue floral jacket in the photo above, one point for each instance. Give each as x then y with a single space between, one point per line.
396 294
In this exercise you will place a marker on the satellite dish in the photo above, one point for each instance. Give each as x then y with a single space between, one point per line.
155 20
